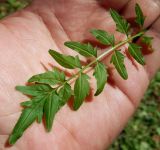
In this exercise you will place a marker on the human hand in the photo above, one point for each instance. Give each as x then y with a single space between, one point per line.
27 36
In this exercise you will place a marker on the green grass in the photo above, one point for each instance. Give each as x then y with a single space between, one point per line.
9 6
143 130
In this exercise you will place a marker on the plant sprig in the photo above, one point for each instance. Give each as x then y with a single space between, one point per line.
51 90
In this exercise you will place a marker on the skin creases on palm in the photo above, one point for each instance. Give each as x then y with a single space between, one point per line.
27 37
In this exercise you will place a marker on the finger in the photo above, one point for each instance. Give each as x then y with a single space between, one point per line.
107 3
138 76
151 9
152 59
114 3
75 17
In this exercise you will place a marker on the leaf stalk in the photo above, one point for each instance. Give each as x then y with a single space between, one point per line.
102 56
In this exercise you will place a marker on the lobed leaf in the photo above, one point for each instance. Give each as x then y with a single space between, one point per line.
86 50
140 18
122 25
135 51
49 77
103 37
81 90
66 61
100 74
28 116
46 102
118 61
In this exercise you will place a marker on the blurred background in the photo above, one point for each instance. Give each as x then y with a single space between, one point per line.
143 130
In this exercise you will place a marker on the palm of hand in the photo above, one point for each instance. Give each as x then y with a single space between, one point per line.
27 36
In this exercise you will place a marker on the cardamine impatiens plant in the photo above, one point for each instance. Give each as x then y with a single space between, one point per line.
51 90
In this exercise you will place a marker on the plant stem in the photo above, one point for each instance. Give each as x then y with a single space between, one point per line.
102 56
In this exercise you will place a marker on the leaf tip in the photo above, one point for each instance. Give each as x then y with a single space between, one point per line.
97 93
13 138
30 80
11 141
48 128
125 76
92 31
76 107
18 87
50 51
66 43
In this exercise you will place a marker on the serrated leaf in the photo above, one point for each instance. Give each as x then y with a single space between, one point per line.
135 51
34 90
122 25
84 49
100 74
50 109
47 101
28 116
49 77
103 37
140 18
81 90
118 61
147 40
65 94
66 61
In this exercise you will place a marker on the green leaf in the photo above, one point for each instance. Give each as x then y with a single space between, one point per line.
26 104
34 90
65 93
100 74
103 37
118 61
28 116
140 18
49 77
147 40
40 115
122 25
84 49
81 90
66 61
135 51
50 109
46 101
